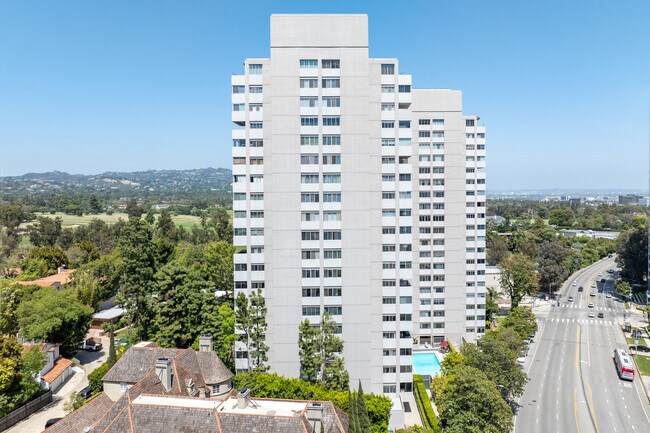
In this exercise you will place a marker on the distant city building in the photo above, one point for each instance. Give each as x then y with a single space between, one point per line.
358 195
629 199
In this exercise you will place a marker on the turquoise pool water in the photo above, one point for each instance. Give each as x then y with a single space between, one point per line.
426 363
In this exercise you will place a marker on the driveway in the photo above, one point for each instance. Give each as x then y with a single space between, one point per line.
88 362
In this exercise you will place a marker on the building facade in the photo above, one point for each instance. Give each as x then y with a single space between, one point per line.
357 195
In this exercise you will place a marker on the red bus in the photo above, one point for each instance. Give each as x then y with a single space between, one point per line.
624 364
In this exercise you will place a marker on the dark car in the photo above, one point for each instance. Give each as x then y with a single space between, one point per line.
86 393
50 422
601 315
602 280
640 348
580 289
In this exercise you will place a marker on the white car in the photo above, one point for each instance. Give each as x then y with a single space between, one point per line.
521 359
591 314
593 285
590 305
600 274
608 295
575 283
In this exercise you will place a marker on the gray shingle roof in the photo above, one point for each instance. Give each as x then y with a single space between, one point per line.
213 369
136 363
86 415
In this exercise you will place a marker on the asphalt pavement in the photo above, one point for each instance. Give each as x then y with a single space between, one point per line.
573 385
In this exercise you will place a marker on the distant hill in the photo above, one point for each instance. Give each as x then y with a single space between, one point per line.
152 185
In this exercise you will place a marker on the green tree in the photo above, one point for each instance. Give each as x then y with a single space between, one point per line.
9 362
74 402
43 261
518 277
133 209
550 258
217 266
50 315
471 403
45 232
522 321
496 247
624 288
10 298
178 306
491 305
632 252
308 349
94 205
332 370
354 426
112 355
362 411
165 227
138 270
258 348
219 321
496 355
562 217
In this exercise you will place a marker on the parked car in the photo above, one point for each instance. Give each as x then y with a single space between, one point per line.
86 393
90 345
50 422
640 348
608 295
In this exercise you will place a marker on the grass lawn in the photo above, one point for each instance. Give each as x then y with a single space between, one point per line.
631 341
74 221
643 362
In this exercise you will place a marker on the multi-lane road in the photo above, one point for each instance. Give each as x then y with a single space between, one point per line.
573 384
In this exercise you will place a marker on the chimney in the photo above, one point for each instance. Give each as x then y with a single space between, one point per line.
242 398
205 343
315 416
164 372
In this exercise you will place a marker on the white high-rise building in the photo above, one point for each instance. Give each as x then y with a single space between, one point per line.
358 195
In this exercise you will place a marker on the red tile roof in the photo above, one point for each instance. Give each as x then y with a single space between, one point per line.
60 365
62 278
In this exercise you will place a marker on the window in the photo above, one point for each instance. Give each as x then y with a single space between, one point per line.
310 236
255 69
123 387
257 232
404 89
239 196
254 107
309 83
256 125
334 310
238 107
329 159
388 195
331 83
310 216
238 89
387 124
331 140
257 214
332 291
388 368
256 161
255 89
405 212
309 159
331 64
424 121
256 143
331 197
331 101
388 177
332 215
331 178
311 273
388 248
309 178
388 142
388 265
308 101
257 196
389 318
331 120
469 122
388 230
310 292
404 123
240 232
405 300
405 352
257 267
238 142
405 177
388 107
311 311
387 69
332 254
308 121
387 160
240 214
309 140
388 212
311 63
309 198
332 235
390 388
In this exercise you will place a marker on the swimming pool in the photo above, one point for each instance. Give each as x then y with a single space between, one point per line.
426 363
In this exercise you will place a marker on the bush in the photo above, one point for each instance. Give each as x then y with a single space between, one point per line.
424 405
274 386
95 377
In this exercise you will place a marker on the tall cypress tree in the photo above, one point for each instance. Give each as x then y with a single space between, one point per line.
353 421
112 356
362 412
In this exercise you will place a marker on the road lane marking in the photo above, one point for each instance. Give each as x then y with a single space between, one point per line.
575 409
590 405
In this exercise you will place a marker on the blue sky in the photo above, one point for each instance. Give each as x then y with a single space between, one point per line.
562 86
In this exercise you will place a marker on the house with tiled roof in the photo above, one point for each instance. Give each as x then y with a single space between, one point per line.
187 372
58 280
56 369
174 391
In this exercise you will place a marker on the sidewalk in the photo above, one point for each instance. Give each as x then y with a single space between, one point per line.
36 422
